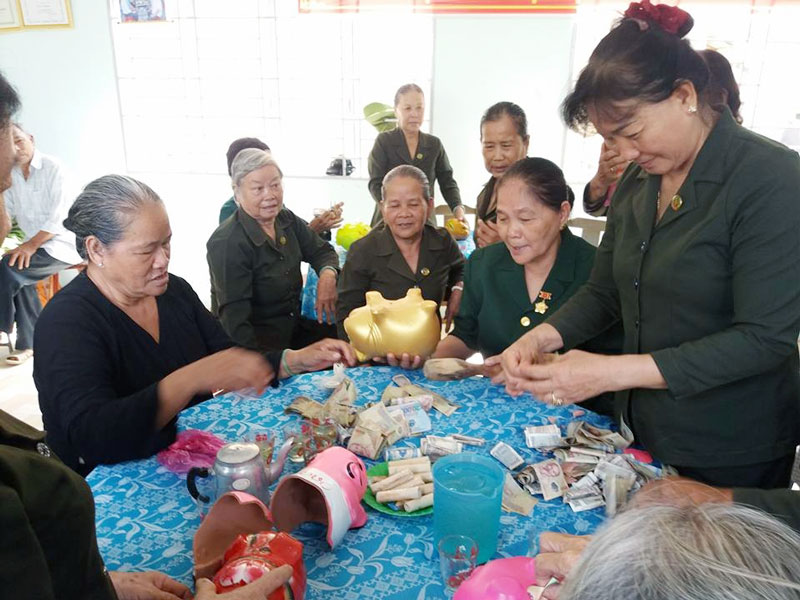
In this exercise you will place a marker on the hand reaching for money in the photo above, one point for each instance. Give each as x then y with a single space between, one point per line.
558 554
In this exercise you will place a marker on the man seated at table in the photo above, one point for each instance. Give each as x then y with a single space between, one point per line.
39 198
126 346
404 252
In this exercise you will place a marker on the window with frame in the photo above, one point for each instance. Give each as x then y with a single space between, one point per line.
215 71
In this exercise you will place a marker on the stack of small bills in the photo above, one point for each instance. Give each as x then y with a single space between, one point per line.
585 469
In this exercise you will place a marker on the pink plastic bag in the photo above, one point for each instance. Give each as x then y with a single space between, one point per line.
192 448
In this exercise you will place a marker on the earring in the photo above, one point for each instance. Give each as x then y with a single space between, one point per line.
692 109
100 265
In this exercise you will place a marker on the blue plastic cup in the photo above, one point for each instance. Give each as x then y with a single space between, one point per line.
468 492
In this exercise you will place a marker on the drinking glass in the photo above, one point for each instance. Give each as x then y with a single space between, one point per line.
323 434
457 556
301 432
468 489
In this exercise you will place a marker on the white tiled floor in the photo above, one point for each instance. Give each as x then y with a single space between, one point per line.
17 392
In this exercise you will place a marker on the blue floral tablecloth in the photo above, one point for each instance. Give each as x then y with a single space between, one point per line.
146 518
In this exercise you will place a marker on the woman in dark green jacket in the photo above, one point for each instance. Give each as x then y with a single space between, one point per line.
254 260
699 261
402 253
512 287
407 145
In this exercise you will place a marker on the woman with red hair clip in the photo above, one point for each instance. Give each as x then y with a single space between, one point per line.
699 261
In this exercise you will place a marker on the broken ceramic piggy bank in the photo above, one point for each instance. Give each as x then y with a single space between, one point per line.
328 491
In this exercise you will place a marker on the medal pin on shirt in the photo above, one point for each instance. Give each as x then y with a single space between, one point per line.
542 306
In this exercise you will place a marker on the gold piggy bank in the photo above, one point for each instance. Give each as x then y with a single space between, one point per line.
407 325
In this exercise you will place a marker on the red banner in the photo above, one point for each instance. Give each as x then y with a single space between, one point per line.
440 6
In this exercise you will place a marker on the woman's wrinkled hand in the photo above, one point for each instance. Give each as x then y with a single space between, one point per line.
326 297
564 379
320 355
260 589
330 219
486 233
404 361
610 167
233 369
453 304
150 585
558 555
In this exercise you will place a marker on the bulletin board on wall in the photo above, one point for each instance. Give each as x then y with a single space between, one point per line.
16 15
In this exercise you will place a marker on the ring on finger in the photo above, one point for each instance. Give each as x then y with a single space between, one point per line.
555 400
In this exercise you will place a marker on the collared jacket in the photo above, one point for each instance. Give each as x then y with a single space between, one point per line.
48 545
496 308
712 293
390 151
256 281
375 263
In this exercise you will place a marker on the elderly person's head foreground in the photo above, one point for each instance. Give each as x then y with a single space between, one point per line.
707 552
405 252
127 345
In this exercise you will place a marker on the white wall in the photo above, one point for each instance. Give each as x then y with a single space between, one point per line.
482 60
68 87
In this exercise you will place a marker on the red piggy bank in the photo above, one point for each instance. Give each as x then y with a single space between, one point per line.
251 555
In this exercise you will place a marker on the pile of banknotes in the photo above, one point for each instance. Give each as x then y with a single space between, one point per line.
369 429
587 469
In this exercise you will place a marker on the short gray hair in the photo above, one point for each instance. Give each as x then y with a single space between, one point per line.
249 160
706 552
407 171
105 208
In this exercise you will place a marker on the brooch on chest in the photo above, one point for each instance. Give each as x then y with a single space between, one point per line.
542 306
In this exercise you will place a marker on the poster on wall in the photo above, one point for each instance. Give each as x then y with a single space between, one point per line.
9 17
46 13
141 11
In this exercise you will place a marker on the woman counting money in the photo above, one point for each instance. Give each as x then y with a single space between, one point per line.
699 261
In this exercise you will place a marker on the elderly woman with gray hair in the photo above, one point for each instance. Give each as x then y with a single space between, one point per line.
254 258
126 346
706 552
404 252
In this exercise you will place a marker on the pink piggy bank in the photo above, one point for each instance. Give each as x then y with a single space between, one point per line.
327 491
501 579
